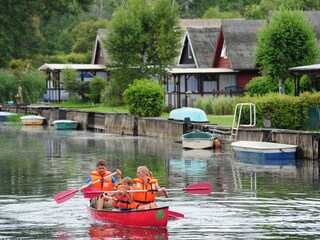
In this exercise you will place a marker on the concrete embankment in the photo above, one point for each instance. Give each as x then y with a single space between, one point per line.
126 124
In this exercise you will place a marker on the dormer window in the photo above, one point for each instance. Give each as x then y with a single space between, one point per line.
224 51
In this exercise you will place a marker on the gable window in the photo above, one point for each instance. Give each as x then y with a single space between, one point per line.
189 51
224 51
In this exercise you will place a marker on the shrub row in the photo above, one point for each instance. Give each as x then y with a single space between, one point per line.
284 112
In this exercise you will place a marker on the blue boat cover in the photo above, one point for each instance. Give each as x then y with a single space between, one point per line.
195 114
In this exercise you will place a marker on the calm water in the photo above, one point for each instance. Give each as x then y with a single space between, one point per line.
247 202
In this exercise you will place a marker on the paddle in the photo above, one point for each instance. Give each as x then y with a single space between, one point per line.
173 214
66 195
198 188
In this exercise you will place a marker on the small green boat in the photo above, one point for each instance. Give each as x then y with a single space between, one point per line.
65 124
197 140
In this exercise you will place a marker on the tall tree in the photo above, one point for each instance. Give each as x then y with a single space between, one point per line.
144 35
214 12
20 21
85 34
287 41
260 9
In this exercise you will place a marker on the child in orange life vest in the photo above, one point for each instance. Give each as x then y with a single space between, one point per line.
106 184
121 198
145 181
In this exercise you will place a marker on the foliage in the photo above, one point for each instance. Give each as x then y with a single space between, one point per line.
196 9
57 34
304 84
282 110
145 98
32 28
14 118
287 41
20 68
261 9
260 86
85 34
214 12
120 79
144 35
258 11
112 95
100 9
21 25
118 82
33 86
73 85
80 58
216 106
8 86
96 86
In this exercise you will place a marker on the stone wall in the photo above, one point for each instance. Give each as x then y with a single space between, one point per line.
126 124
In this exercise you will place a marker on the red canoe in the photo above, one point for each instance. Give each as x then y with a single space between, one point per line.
156 217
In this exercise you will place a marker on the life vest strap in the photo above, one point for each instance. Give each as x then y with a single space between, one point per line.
122 201
144 202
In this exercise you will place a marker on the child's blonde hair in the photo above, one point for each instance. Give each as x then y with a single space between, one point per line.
145 170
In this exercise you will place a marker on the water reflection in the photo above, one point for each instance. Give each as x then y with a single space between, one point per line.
248 201
111 231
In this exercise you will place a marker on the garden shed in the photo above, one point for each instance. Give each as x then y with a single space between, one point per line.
53 72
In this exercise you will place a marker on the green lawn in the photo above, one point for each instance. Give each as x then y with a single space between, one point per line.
223 120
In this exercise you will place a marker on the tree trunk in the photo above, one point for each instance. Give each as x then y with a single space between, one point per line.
281 87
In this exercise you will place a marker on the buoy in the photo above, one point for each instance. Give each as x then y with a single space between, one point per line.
216 143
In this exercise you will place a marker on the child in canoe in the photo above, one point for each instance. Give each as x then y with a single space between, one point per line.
146 188
121 198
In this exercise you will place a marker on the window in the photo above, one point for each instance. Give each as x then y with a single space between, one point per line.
189 51
192 84
224 51
227 80
209 86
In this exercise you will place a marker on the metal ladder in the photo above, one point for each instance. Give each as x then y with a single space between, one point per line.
237 117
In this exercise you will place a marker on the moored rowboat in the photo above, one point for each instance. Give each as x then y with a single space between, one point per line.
197 140
264 153
32 120
5 115
156 217
194 114
65 124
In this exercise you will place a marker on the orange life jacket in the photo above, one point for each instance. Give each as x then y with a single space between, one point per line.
145 197
122 201
105 185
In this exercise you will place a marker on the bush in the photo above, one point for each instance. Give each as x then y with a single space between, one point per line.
112 95
8 86
216 106
96 85
284 111
33 86
260 86
145 98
